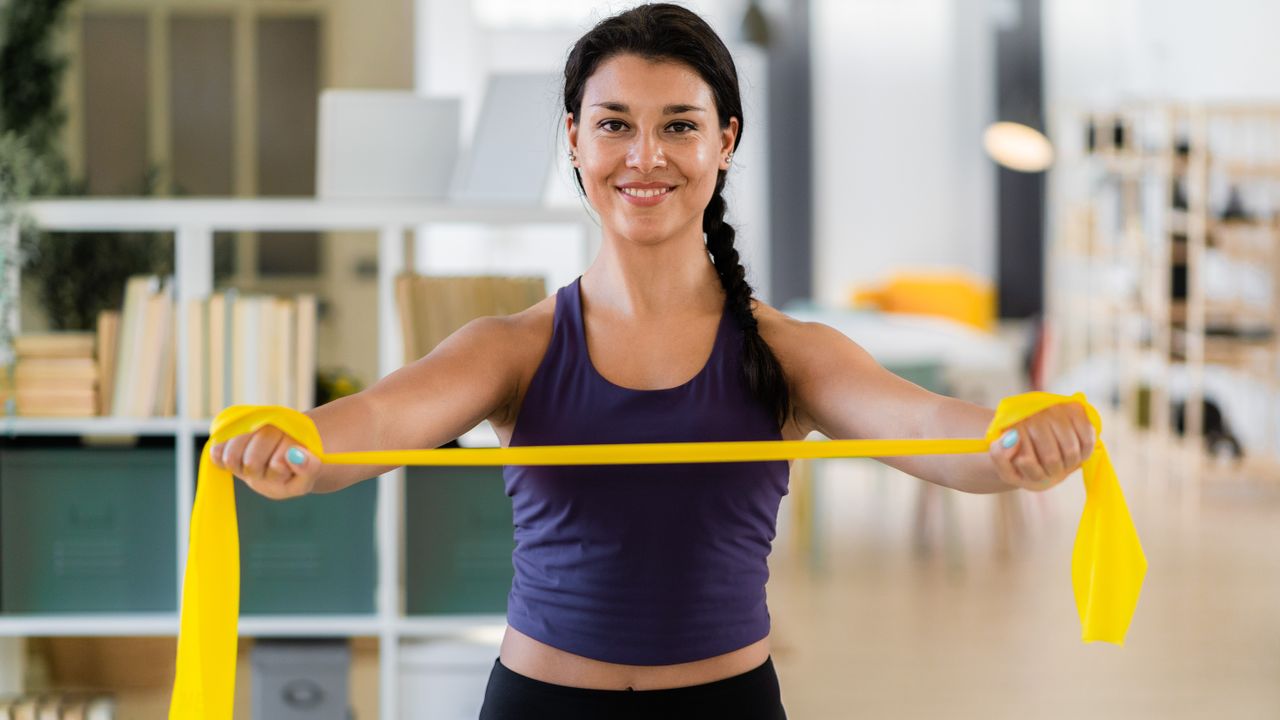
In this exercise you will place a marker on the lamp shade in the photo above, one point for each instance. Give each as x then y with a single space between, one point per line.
1018 147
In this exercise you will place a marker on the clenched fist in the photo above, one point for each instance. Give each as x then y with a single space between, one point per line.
1042 450
270 462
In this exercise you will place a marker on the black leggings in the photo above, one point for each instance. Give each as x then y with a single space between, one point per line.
753 695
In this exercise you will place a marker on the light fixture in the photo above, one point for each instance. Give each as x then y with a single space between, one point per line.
1018 147
755 25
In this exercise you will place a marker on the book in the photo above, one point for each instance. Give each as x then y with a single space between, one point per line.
286 352
217 354
54 344
167 400
246 345
138 291
304 374
45 384
101 708
153 334
107 343
25 708
69 369
405 314
195 391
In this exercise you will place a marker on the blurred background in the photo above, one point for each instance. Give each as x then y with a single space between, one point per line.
206 202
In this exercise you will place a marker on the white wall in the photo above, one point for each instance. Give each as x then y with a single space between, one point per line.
455 54
1106 51
902 90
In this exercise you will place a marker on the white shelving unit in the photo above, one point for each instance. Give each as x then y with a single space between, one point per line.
194 222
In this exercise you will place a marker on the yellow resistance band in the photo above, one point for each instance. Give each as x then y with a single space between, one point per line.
1107 564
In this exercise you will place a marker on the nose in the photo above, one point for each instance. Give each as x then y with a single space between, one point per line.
645 153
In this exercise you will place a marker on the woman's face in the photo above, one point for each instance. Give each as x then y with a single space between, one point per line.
649 145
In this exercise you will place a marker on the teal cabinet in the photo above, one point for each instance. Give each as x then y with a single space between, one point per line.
87 530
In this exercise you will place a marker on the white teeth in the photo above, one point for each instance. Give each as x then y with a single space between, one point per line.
635 192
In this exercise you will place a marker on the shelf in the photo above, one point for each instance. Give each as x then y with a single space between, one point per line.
262 214
1219 309
105 625
193 223
437 625
309 625
1167 144
105 426
1248 169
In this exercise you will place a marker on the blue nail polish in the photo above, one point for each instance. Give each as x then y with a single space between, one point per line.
1010 439
296 457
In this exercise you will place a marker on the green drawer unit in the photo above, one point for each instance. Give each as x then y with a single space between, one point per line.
309 555
87 530
458 540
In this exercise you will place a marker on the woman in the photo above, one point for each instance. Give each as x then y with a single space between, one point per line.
639 590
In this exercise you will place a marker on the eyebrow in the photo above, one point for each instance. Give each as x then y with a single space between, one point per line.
668 110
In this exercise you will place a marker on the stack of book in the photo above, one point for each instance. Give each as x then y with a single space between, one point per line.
241 349
55 375
433 307
250 350
58 707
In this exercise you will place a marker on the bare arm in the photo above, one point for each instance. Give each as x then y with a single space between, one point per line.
841 391
470 376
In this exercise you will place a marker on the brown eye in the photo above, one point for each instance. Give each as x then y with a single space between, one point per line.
612 125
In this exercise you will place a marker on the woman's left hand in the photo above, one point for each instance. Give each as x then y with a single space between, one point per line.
1042 450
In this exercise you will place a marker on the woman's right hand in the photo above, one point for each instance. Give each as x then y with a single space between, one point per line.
270 462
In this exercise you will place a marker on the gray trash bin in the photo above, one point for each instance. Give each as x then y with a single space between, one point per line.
300 679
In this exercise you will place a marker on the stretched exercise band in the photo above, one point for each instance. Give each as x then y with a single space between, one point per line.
1107 564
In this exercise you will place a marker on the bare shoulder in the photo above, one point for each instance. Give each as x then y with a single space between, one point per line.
520 340
812 355
796 342
520 329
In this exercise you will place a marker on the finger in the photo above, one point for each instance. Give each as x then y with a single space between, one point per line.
278 471
1044 449
1086 434
215 454
271 491
1002 456
1027 461
1069 444
303 464
259 451
233 454
300 460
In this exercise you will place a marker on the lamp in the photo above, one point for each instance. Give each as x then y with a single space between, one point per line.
1018 146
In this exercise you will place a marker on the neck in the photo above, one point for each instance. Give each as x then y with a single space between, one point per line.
672 277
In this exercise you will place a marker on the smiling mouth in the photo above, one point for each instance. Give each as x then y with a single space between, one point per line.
645 193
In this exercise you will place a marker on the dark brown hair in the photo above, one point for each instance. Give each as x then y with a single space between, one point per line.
663 31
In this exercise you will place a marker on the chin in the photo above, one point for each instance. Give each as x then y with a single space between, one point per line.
643 234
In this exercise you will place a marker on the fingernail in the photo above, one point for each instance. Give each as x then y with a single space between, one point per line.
296 457
1010 439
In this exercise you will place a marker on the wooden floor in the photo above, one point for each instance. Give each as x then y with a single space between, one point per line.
880 620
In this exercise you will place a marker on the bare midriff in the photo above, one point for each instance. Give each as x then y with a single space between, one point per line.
531 658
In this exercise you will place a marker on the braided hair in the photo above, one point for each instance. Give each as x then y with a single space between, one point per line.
662 31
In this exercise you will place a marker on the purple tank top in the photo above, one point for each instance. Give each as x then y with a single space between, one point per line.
641 564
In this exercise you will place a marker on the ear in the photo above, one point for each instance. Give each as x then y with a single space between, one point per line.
571 133
728 136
